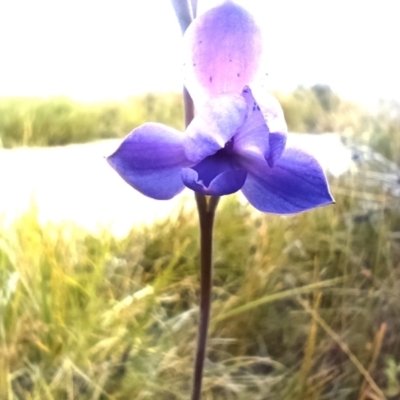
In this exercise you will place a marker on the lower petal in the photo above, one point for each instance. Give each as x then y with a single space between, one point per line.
215 176
296 183
150 159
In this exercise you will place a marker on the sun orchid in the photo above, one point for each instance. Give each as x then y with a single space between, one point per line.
237 140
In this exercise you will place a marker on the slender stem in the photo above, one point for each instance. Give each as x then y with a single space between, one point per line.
206 210
206 216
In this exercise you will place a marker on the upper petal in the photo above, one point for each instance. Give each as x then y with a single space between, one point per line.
296 183
222 51
150 159
214 125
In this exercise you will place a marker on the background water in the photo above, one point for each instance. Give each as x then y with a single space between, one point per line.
75 183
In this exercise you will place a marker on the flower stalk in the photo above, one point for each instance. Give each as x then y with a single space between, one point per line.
206 209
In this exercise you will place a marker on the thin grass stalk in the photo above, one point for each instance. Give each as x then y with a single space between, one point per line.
375 354
346 350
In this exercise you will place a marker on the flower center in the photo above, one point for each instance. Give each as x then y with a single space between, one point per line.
228 148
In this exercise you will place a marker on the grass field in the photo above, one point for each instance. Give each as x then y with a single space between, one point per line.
304 307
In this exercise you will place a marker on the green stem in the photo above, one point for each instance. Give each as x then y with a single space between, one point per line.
206 210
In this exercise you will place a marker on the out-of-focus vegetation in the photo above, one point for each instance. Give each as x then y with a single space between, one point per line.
318 109
59 121
305 307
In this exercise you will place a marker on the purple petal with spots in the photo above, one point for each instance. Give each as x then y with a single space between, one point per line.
223 49
214 125
296 183
150 159
271 110
275 119
253 136
217 175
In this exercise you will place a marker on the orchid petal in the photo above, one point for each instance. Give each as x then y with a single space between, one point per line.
296 183
223 50
214 125
275 119
150 159
277 143
217 175
271 109
253 136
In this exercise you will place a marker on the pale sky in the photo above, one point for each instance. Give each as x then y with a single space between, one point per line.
111 49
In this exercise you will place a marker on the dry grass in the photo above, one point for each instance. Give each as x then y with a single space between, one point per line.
305 307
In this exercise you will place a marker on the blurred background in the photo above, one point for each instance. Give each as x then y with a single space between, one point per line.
99 285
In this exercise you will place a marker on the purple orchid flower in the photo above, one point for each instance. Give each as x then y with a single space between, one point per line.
237 139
